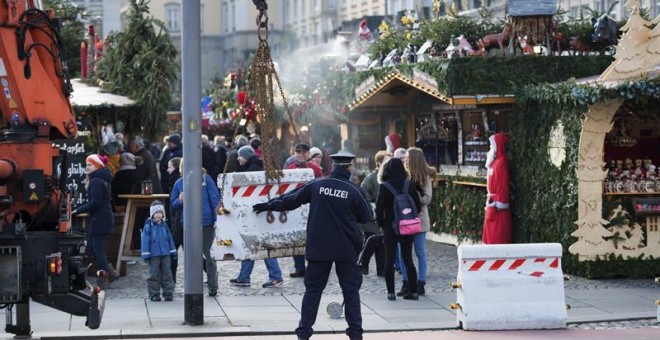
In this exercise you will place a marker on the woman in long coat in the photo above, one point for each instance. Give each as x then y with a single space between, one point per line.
99 208
395 174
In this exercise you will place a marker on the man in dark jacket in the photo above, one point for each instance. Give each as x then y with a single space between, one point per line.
336 207
174 149
220 154
147 169
233 165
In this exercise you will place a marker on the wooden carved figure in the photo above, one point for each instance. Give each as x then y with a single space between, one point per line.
558 38
525 46
578 45
495 38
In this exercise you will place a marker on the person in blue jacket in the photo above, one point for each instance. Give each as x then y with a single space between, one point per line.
99 208
336 207
158 251
210 199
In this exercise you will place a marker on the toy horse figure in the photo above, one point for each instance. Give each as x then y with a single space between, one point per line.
606 32
498 38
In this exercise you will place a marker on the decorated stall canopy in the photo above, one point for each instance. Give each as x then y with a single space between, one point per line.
521 8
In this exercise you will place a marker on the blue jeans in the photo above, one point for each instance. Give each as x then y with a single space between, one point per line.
96 247
274 271
299 263
419 243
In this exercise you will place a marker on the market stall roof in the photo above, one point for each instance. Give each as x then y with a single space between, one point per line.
396 90
85 95
522 8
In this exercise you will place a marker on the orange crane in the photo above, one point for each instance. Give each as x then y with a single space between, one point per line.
41 258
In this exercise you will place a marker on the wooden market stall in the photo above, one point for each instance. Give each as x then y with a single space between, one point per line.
94 109
619 204
451 130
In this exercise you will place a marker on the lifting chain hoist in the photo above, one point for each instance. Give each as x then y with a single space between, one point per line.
261 74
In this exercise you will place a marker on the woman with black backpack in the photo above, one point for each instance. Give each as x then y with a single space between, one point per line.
395 175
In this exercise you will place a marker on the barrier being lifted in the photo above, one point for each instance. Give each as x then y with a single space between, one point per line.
510 286
241 234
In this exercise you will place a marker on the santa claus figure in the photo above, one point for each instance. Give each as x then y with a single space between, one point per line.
364 32
392 142
497 224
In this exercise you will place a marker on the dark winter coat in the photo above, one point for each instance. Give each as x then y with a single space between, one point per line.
169 154
253 164
336 207
220 158
124 182
148 170
395 174
232 159
98 206
156 240
209 162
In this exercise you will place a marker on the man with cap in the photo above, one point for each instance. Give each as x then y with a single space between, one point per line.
336 207
249 161
300 161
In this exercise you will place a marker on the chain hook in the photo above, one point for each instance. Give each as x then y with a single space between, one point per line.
262 18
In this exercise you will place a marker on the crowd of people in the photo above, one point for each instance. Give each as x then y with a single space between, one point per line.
125 168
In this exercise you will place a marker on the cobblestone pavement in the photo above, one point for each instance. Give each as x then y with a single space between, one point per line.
442 268
645 323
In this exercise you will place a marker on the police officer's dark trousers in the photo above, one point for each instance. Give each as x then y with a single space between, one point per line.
316 278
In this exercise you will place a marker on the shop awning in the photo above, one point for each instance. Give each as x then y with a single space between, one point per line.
85 95
395 90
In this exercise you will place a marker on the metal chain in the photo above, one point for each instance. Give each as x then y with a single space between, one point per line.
260 83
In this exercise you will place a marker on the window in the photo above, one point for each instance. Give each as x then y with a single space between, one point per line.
225 17
173 17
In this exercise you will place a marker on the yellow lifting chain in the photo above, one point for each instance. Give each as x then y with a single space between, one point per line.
261 74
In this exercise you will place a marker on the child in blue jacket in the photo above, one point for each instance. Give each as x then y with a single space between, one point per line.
158 250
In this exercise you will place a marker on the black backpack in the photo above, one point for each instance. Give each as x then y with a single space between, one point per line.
406 220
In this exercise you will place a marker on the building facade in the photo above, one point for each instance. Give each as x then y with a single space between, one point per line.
572 7
170 13
105 15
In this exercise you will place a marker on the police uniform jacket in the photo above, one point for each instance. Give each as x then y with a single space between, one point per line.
336 207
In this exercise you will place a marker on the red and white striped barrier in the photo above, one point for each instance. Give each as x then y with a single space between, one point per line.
242 234
510 286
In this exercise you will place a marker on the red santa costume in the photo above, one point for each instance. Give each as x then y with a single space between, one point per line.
392 142
497 224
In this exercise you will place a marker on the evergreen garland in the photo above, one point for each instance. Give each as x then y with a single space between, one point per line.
544 197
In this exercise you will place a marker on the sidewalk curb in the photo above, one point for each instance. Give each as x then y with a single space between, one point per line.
177 333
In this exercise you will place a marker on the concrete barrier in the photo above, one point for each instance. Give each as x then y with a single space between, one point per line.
510 286
241 234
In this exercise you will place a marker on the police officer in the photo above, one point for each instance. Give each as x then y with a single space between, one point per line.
336 207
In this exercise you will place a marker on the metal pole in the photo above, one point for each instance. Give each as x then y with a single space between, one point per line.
192 162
